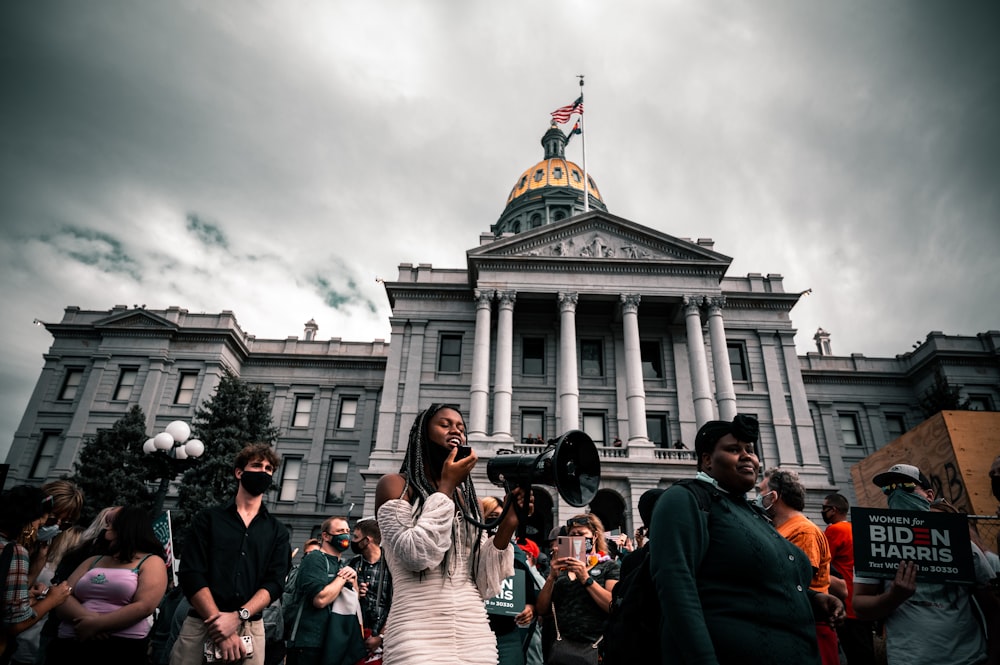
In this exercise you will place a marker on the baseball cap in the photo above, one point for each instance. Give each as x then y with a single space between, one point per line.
902 473
556 532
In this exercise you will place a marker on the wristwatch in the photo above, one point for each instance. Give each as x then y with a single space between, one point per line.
590 580
244 614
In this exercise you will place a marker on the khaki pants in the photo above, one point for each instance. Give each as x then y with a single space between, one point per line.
189 649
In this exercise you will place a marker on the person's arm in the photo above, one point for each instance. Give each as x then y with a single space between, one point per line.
421 543
331 591
838 587
676 554
148 594
872 603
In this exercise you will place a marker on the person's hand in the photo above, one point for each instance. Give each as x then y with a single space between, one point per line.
362 589
829 608
60 592
373 642
223 625
904 584
454 473
347 574
520 502
232 648
526 616
89 627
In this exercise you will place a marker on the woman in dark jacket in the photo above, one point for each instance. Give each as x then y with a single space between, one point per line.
731 589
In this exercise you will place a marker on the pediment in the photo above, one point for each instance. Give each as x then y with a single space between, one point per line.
135 318
598 236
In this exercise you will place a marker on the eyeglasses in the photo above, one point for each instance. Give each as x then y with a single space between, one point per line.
577 521
908 487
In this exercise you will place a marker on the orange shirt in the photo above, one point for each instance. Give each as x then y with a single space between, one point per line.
841 540
808 537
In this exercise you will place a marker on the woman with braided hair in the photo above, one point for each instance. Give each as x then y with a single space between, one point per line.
443 563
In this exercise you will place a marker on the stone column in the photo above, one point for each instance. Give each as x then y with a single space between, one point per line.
635 392
569 387
725 394
703 411
480 388
503 383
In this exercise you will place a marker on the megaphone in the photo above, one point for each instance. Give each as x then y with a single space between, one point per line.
569 463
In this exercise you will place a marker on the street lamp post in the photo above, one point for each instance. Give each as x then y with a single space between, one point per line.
176 444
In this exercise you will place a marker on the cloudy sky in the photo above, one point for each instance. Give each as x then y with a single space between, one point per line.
275 158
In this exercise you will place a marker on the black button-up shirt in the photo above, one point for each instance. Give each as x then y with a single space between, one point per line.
234 560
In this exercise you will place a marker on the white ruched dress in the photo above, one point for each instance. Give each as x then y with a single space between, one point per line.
438 617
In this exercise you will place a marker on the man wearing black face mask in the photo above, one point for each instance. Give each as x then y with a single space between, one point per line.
374 581
323 579
234 564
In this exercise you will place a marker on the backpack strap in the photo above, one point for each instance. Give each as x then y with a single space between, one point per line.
704 493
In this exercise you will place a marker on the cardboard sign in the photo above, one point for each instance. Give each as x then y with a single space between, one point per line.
510 601
937 542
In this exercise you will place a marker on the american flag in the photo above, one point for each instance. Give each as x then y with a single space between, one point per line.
564 113
165 534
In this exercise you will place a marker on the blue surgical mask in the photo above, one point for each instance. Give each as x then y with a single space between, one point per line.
759 501
47 533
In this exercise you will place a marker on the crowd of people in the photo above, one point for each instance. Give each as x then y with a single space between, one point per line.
713 576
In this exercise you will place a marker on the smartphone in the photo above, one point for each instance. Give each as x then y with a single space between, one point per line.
462 452
572 546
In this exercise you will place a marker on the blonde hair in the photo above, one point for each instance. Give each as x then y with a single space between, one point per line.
64 542
67 499
490 503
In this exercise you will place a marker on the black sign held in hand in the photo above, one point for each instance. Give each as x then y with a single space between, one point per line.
937 542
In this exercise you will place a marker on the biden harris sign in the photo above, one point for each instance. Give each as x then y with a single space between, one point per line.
937 542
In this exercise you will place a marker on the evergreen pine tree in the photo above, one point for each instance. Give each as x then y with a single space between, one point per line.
942 397
237 414
111 468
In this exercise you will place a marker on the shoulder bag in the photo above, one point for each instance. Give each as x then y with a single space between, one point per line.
567 652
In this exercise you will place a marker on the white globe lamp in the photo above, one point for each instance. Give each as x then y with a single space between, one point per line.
194 448
163 441
180 430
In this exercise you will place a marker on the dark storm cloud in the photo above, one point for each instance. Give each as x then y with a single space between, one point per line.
208 233
275 159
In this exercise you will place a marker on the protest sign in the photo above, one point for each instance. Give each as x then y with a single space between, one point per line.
937 542
510 601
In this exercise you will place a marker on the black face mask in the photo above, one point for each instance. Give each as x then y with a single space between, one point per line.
341 542
995 482
255 482
356 546
590 545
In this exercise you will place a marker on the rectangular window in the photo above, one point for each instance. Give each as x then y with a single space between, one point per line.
532 426
533 358
895 426
591 358
980 403
652 364
348 413
450 354
849 430
71 384
303 409
185 388
738 361
337 485
291 474
46 455
126 382
656 430
593 426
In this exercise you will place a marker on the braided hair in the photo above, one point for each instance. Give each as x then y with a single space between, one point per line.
414 469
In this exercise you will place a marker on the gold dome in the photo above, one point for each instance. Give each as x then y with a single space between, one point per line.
552 172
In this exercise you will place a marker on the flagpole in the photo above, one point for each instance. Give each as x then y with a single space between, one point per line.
583 131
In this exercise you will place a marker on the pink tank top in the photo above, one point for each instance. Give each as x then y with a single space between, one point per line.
104 590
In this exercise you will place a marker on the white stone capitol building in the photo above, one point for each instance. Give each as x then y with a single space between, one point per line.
564 317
